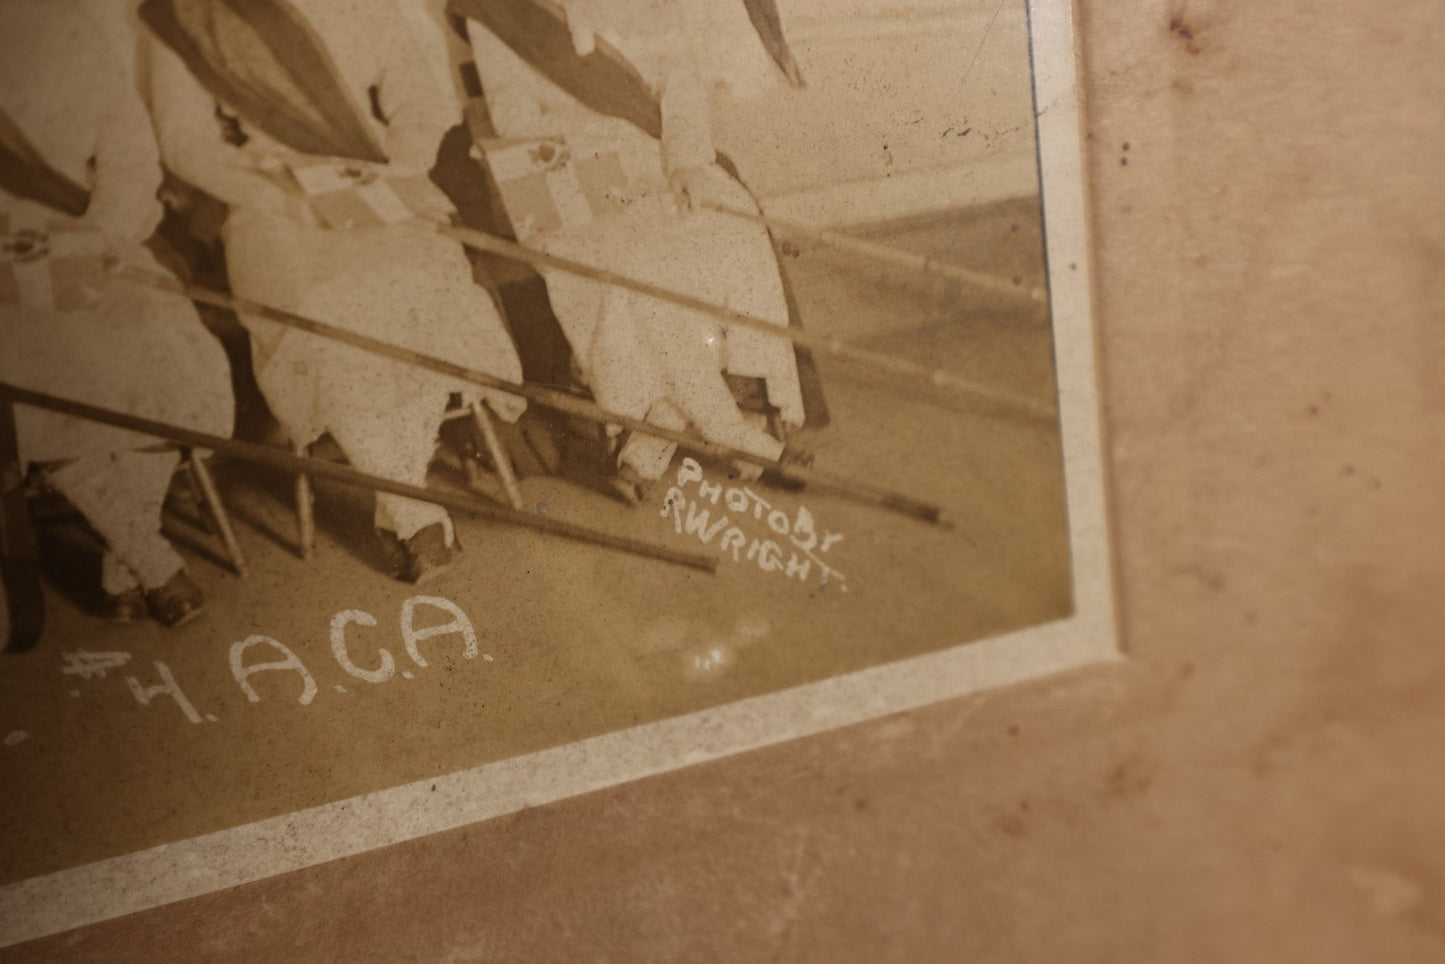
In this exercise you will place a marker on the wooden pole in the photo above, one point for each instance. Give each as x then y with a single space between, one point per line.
891 255
901 368
22 601
500 461
280 459
201 475
549 398
305 499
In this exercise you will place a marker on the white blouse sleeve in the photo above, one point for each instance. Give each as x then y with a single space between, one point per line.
191 143
127 166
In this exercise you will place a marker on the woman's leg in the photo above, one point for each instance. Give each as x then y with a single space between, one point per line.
121 495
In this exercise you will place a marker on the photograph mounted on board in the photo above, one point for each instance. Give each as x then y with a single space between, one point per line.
416 410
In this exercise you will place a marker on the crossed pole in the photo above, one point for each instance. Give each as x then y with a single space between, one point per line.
784 469
278 458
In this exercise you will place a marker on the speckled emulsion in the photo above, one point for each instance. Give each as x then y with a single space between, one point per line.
618 385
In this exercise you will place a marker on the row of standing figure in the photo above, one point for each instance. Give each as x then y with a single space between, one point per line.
249 101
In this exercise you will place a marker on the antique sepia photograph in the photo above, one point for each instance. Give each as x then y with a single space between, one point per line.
413 411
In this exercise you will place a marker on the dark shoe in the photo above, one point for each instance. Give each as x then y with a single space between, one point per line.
421 558
792 457
626 486
126 607
459 435
796 455
393 552
589 457
177 602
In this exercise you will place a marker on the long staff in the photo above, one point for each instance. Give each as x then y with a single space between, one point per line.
547 397
891 255
280 459
901 368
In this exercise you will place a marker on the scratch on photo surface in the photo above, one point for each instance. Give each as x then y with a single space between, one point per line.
973 61
799 884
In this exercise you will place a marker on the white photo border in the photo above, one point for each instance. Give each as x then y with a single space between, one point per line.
61 901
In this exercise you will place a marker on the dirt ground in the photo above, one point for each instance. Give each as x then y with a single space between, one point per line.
1261 781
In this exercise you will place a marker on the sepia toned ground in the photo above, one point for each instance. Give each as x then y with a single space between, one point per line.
574 641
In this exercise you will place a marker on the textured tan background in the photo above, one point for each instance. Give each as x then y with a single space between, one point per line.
1264 781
